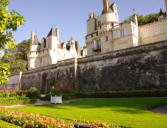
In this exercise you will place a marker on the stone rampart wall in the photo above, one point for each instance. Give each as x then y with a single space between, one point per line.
14 82
143 67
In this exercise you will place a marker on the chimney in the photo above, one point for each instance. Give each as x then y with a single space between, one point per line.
32 38
57 33
135 17
105 5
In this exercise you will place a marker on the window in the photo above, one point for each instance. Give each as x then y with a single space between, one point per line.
107 39
99 23
95 44
99 44
122 34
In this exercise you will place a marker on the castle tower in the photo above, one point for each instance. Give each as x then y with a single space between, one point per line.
109 15
107 20
91 23
72 43
135 17
33 51
106 4
52 39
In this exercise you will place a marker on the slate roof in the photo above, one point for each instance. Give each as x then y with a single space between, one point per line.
52 32
162 12
36 42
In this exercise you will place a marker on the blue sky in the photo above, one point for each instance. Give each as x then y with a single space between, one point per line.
70 15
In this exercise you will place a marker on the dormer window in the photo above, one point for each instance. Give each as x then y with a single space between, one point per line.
44 44
99 23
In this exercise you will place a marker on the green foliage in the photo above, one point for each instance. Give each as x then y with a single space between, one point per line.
12 97
4 71
17 58
18 66
32 93
16 100
9 22
74 94
34 89
23 49
53 91
142 20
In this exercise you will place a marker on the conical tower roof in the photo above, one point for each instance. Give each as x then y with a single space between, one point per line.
52 32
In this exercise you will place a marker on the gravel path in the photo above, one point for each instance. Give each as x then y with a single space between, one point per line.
160 110
40 102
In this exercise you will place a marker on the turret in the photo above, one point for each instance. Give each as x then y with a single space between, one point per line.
73 50
106 4
53 39
54 32
109 17
33 42
57 33
32 55
72 43
135 17
91 23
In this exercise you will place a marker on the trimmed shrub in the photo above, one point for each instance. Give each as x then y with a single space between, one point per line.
73 94
13 97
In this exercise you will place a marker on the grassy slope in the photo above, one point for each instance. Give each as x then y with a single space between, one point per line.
4 124
129 112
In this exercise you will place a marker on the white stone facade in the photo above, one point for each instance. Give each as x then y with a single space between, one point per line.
105 33
51 50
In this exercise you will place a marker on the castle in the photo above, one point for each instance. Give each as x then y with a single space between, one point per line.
51 50
104 34
119 57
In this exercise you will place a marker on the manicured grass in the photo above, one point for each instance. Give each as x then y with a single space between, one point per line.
4 124
129 112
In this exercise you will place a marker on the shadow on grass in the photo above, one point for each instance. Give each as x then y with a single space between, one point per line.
123 105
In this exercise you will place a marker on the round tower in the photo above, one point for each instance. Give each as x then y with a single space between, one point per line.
109 17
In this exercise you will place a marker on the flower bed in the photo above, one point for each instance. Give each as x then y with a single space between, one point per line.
13 97
29 120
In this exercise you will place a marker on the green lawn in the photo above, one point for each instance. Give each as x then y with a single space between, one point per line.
129 112
4 124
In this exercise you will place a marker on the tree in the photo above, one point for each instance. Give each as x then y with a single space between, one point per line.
9 22
23 48
17 58
142 20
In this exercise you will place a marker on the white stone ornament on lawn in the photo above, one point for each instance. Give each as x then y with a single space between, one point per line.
56 99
